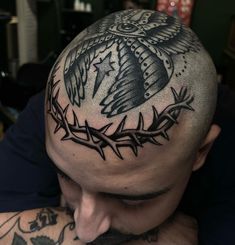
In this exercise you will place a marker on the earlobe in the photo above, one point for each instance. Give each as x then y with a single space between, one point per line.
206 146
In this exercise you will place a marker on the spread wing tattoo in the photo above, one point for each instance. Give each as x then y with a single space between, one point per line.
146 43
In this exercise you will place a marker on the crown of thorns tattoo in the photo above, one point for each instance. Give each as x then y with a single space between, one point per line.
98 139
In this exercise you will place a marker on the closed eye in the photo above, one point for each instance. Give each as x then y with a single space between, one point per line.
133 203
138 200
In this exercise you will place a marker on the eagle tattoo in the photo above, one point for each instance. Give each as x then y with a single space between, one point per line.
146 42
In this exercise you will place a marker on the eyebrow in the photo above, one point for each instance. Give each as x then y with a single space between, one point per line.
141 197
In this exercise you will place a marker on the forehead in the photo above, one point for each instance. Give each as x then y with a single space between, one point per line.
152 167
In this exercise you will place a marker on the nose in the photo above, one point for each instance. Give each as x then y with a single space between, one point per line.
92 217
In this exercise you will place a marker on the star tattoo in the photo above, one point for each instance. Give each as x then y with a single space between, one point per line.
103 68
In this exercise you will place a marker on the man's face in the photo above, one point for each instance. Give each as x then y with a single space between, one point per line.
132 196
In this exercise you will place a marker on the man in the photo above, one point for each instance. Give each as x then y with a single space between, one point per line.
128 118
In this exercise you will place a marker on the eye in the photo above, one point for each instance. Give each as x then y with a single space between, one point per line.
127 28
133 203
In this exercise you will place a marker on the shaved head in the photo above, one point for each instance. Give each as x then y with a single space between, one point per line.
129 106
140 73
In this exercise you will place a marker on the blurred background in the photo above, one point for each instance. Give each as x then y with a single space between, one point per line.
34 32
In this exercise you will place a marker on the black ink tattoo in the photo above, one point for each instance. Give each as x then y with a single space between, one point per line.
45 218
42 240
97 139
18 240
114 237
103 68
146 42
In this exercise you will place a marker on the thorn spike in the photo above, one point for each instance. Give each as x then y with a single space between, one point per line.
116 150
165 135
57 94
135 150
190 99
121 125
183 92
66 137
89 137
155 114
188 107
75 119
55 84
119 154
58 127
104 129
153 141
172 118
135 138
101 152
141 122
176 96
65 110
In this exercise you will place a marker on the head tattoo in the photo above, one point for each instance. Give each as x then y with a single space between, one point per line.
146 42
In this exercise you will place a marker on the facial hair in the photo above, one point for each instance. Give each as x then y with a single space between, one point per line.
114 237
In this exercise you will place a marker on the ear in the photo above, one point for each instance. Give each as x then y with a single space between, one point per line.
206 146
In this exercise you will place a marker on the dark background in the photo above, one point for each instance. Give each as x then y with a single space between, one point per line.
58 23
210 20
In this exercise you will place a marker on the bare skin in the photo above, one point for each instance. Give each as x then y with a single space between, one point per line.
129 105
96 211
25 228
128 119
39 226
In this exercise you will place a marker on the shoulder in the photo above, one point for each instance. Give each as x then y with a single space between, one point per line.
25 139
27 179
31 119
215 182
221 156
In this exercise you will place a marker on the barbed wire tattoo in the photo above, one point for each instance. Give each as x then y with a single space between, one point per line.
97 139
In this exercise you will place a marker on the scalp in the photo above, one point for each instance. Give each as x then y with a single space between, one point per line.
132 78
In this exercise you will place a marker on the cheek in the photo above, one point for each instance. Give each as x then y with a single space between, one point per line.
153 213
146 216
